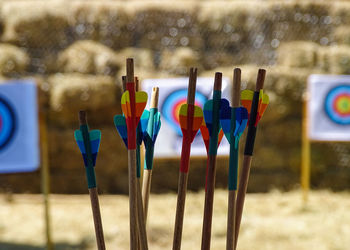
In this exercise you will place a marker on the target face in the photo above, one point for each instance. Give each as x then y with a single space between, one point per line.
7 123
337 104
172 103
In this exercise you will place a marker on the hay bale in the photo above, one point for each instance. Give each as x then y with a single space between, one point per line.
37 25
342 35
105 22
14 61
179 61
70 93
168 25
297 54
339 59
88 57
143 58
224 28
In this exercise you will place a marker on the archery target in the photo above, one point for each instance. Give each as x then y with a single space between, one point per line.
337 104
19 130
172 103
328 107
7 122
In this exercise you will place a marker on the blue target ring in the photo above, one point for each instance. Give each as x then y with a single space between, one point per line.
172 103
337 104
7 123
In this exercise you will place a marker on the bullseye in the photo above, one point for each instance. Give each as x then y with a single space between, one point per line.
337 104
7 122
171 106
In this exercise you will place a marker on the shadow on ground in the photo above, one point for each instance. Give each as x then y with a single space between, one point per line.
58 246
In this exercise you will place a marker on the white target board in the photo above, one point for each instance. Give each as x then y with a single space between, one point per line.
19 137
172 94
329 107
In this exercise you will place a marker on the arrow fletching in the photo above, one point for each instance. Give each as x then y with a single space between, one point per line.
205 135
187 114
263 103
247 99
225 121
240 123
120 124
208 112
95 138
140 104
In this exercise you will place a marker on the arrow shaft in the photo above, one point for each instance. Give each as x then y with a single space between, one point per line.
89 169
133 215
180 210
230 239
211 172
185 156
213 141
146 188
97 218
233 162
242 189
249 146
130 86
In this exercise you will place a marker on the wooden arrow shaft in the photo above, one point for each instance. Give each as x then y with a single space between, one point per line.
133 215
231 219
180 210
242 189
141 219
97 218
146 188
209 200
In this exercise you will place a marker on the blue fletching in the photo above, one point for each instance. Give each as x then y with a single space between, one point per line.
142 127
225 120
79 139
144 120
95 138
241 120
208 112
156 128
120 124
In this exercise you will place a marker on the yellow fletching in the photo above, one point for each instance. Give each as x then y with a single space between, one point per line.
125 97
141 96
247 94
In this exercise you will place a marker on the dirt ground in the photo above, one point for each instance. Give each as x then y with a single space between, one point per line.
271 221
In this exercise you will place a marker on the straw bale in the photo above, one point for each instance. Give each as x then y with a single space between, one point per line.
88 57
70 93
339 59
178 61
105 22
342 35
300 54
39 25
13 60
143 58
163 25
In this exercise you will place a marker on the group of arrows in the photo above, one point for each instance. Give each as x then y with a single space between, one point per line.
137 125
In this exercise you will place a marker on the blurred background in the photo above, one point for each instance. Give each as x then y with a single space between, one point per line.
76 50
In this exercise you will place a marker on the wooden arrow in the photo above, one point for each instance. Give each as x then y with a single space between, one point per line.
212 120
133 104
233 122
149 137
89 142
190 117
256 102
